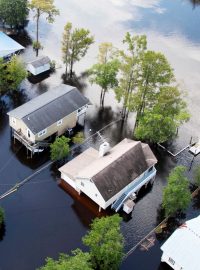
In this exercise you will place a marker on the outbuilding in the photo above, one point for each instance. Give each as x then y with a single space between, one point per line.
39 65
181 250
111 176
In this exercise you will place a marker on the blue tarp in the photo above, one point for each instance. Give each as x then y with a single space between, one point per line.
8 45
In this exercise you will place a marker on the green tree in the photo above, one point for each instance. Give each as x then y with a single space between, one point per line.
75 45
130 68
41 7
3 75
2 215
16 73
104 73
12 73
59 148
105 242
78 138
78 261
197 176
176 195
13 13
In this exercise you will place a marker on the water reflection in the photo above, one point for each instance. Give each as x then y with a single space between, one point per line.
195 3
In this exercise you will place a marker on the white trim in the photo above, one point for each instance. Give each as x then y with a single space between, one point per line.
42 132
59 122
13 120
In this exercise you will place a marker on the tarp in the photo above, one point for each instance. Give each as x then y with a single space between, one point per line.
8 45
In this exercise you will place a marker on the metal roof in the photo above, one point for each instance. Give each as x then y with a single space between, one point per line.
184 244
8 45
40 62
114 171
46 109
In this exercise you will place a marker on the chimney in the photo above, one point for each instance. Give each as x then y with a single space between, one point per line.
104 149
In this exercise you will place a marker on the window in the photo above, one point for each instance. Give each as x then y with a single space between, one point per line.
150 169
13 120
28 133
59 122
171 261
41 133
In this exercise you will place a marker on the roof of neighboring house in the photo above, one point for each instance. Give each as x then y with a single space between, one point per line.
111 173
184 244
40 62
46 109
8 45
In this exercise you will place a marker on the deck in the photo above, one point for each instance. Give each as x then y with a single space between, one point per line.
32 147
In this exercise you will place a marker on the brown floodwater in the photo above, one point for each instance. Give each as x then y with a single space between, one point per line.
41 218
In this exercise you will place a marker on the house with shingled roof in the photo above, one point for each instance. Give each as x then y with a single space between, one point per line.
51 113
111 176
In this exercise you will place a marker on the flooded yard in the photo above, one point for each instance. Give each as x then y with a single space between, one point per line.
42 220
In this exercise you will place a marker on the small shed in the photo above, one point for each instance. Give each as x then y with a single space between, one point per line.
39 65
181 250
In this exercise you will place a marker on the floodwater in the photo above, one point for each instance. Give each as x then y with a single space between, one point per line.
43 220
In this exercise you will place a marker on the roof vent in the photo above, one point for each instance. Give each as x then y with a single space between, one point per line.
104 149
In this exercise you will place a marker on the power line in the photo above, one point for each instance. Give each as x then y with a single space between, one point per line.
25 180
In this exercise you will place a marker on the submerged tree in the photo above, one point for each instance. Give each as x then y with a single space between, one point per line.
12 73
75 45
59 148
13 13
104 73
41 7
130 63
2 216
176 195
197 176
158 102
105 243
77 261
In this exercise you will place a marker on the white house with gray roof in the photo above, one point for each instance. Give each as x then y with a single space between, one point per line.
111 177
181 250
51 113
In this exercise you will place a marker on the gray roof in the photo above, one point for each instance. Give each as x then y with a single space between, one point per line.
111 173
46 109
40 62
122 171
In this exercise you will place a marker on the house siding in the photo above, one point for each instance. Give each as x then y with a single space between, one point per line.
68 121
20 126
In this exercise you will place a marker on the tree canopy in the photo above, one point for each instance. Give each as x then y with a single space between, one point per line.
75 45
78 261
59 148
105 243
13 13
176 195
12 73
1 216
147 87
197 176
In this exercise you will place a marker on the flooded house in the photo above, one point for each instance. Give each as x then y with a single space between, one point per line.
181 250
111 176
50 114
8 46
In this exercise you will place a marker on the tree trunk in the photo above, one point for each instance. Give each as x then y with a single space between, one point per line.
71 69
37 31
103 97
